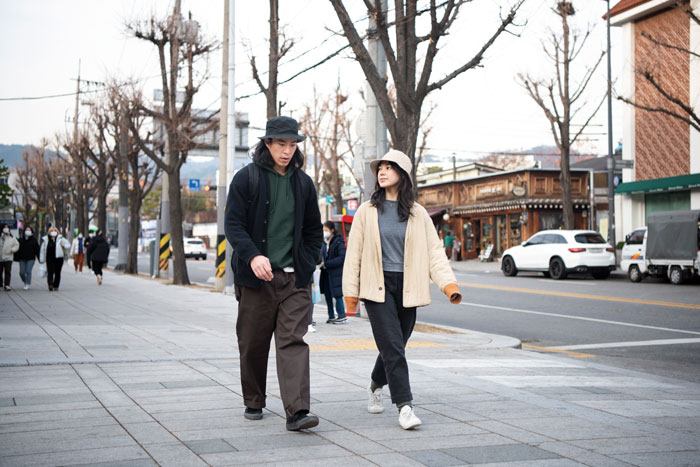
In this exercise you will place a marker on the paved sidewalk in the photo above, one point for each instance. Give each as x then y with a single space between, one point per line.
136 372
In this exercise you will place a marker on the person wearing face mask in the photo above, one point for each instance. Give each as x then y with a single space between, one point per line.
26 255
86 248
77 250
8 247
333 257
52 253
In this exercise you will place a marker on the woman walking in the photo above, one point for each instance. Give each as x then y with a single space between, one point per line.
98 252
26 255
331 283
393 253
53 251
8 247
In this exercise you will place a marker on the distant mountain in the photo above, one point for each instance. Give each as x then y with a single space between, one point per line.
11 154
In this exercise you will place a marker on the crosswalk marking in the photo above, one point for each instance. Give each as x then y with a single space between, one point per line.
610 345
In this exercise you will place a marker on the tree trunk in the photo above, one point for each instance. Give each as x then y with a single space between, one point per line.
102 198
565 177
271 93
180 276
134 230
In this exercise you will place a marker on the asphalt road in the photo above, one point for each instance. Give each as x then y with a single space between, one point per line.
652 326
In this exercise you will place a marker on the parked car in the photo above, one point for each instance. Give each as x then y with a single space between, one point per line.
557 253
195 248
668 247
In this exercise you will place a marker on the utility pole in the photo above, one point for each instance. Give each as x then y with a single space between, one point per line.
221 192
164 250
230 119
375 134
611 160
123 192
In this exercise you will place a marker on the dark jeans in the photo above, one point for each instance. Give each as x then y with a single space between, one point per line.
392 325
278 307
5 270
97 267
339 303
53 272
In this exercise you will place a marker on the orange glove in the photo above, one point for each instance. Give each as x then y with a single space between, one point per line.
452 292
350 304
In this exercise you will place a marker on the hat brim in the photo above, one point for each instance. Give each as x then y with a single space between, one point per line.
284 136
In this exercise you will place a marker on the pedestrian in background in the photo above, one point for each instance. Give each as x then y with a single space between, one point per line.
274 226
54 248
8 247
77 251
90 237
26 255
331 283
98 252
449 243
393 253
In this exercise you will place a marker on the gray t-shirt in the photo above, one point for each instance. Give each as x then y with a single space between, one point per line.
393 234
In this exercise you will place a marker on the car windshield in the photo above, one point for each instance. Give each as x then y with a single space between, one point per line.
589 238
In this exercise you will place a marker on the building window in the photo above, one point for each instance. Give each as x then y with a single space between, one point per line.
551 220
468 236
515 232
540 185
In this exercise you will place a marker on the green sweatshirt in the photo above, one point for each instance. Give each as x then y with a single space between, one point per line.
280 228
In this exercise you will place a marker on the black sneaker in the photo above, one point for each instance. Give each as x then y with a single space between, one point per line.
253 414
330 320
342 320
301 421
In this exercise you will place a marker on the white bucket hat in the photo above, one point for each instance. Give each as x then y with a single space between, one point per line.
398 158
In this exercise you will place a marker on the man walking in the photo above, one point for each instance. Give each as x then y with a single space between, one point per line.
274 227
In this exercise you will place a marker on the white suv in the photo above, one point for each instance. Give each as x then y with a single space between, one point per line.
559 252
195 248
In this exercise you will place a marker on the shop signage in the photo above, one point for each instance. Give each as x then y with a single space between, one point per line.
519 190
489 191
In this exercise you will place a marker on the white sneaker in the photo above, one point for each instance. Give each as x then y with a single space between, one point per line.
311 328
26 287
408 419
375 404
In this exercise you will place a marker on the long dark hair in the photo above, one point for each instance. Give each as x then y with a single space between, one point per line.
405 197
262 156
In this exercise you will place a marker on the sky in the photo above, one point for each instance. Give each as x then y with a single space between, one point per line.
44 42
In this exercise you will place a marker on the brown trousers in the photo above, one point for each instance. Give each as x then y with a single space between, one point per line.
78 259
279 308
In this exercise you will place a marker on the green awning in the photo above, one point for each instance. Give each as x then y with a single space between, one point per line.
681 182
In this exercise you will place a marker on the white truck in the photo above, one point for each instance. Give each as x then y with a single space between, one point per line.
668 247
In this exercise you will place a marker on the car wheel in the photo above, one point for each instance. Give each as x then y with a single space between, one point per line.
557 270
204 257
601 274
676 275
508 267
634 273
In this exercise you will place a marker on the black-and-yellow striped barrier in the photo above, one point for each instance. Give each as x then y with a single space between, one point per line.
164 251
220 255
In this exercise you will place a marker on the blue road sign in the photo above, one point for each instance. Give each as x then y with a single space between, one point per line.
194 184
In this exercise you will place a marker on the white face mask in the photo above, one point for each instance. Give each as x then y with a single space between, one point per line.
326 235
6 230
53 234
27 233
80 236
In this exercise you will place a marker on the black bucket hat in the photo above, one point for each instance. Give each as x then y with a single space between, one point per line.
282 127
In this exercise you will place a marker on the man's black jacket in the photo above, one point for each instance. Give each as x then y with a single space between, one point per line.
247 215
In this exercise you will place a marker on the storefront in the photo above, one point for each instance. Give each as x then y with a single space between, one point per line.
503 209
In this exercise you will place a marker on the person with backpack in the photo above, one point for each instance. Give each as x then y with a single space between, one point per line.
273 223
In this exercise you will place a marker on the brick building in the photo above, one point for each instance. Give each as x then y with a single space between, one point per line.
665 150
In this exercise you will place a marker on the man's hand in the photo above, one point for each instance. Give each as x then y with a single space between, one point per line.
261 268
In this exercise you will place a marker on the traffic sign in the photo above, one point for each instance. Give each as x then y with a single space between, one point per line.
352 204
194 185
624 163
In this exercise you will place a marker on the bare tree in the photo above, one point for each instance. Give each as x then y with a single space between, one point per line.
412 85
102 157
668 102
78 148
558 101
327 125
179 46
277 51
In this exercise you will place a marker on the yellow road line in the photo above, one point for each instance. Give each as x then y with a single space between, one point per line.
567 352
581 295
